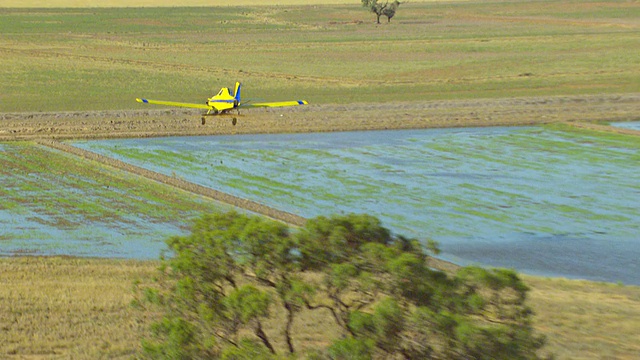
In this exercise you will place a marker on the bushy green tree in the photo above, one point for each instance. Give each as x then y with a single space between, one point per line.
383 292
221 283
212 284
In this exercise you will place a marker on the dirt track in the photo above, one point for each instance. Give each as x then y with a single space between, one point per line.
150 121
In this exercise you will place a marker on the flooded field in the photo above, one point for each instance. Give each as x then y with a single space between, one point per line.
633 125
541 200
56 204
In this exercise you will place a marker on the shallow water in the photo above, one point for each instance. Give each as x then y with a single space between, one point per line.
633 125
537 200
55 204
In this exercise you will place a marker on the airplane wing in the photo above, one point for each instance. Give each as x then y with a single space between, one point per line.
275 104
173 103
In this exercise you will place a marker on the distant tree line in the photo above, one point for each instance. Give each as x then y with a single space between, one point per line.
220 285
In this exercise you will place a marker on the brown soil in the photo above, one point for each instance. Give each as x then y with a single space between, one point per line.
151 122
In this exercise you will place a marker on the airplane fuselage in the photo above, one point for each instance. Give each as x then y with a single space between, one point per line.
223 101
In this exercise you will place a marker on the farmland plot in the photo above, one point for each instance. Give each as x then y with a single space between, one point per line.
540 200
56 204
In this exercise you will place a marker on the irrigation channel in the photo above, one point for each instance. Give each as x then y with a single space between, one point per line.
540 200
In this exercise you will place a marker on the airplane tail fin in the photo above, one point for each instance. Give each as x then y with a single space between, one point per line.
236 92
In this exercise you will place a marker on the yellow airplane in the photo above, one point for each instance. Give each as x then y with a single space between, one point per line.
223 102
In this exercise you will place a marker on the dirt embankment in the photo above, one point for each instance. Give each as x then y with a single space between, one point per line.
178 183
152 122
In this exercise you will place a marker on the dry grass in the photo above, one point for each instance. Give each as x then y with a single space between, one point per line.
74 308
587 320
157 3
79 308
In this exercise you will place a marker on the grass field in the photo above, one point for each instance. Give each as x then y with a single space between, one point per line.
155 3
103 58
79 308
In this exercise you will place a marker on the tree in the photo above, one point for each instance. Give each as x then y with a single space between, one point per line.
211 288
223 281
389 300
386 9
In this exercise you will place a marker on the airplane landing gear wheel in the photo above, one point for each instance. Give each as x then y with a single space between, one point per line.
234 121
203 120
